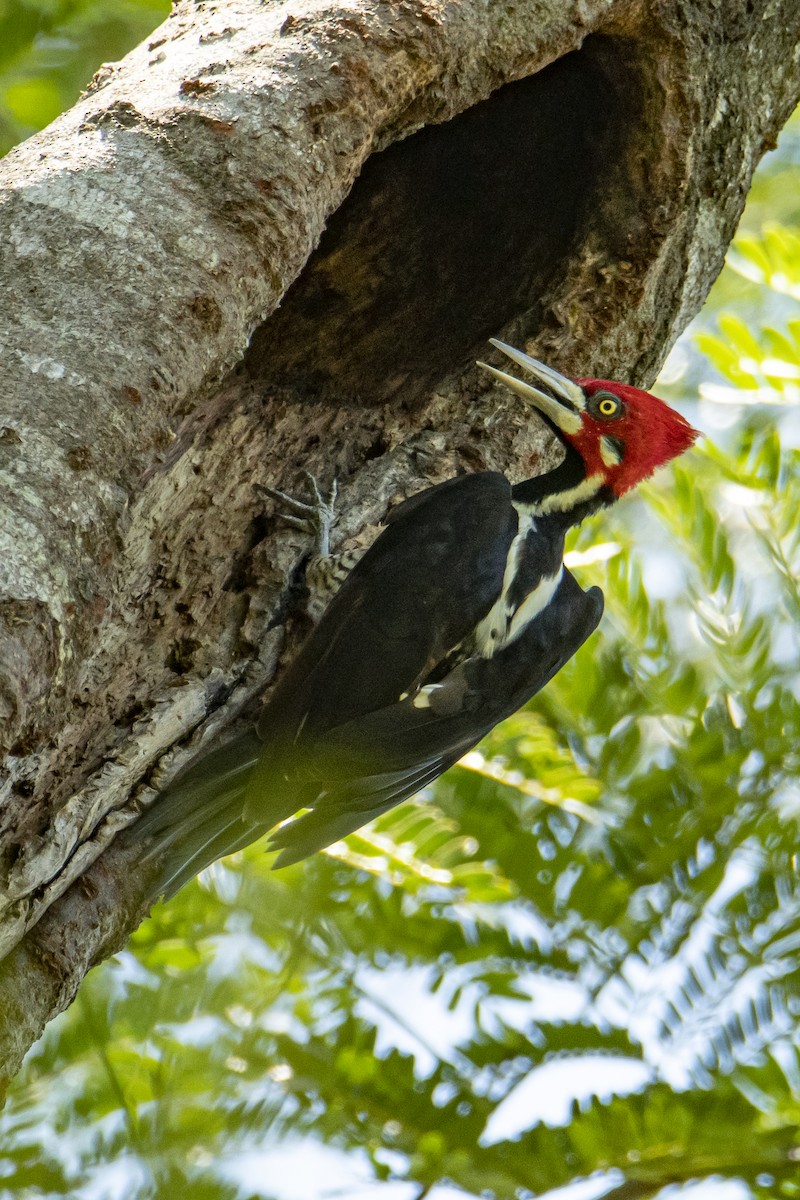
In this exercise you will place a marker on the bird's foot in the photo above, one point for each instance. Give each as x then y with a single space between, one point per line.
316 517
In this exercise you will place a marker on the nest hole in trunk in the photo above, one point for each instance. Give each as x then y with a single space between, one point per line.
448 235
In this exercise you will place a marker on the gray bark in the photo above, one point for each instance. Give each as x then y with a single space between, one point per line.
406 179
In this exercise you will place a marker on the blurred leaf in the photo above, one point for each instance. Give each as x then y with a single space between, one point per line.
49 50
608 884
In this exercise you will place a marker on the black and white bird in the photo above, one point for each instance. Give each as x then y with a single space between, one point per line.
459 612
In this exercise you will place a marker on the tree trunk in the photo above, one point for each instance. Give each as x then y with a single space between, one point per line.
405 178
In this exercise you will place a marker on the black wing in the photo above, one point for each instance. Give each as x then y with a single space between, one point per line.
340 736
378 760
420 589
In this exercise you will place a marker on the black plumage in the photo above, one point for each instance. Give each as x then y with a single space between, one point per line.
459 612
425 647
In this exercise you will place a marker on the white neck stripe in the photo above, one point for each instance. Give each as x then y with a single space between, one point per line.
563 501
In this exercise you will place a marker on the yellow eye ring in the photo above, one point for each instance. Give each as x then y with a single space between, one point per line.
607 407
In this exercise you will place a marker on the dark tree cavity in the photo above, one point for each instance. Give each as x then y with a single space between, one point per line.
274 239
457 230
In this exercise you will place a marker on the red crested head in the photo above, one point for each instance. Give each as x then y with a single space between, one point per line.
620 432
626 433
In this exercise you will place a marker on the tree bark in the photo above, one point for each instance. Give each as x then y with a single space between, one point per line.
405 178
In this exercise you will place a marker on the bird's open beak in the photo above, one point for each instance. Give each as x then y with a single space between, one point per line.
562 404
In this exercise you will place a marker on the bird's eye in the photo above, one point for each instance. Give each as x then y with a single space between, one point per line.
608 406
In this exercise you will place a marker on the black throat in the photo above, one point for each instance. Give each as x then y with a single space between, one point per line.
568 475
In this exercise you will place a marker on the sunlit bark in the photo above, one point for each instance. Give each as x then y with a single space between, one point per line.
406 179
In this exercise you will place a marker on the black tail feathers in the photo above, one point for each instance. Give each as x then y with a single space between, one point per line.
199 817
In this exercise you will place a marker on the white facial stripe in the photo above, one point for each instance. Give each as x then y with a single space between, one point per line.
563 417
609 452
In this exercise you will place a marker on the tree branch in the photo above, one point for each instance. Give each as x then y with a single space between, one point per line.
568 175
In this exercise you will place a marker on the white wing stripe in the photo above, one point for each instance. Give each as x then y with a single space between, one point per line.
534 603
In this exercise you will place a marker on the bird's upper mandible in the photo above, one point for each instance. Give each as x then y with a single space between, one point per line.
621 433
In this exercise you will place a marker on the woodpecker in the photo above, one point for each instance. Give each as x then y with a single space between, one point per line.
458 613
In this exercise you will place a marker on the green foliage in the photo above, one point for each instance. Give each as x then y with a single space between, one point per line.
579 955
611 881
49 50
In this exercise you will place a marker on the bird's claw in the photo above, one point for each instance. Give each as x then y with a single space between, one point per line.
317 517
